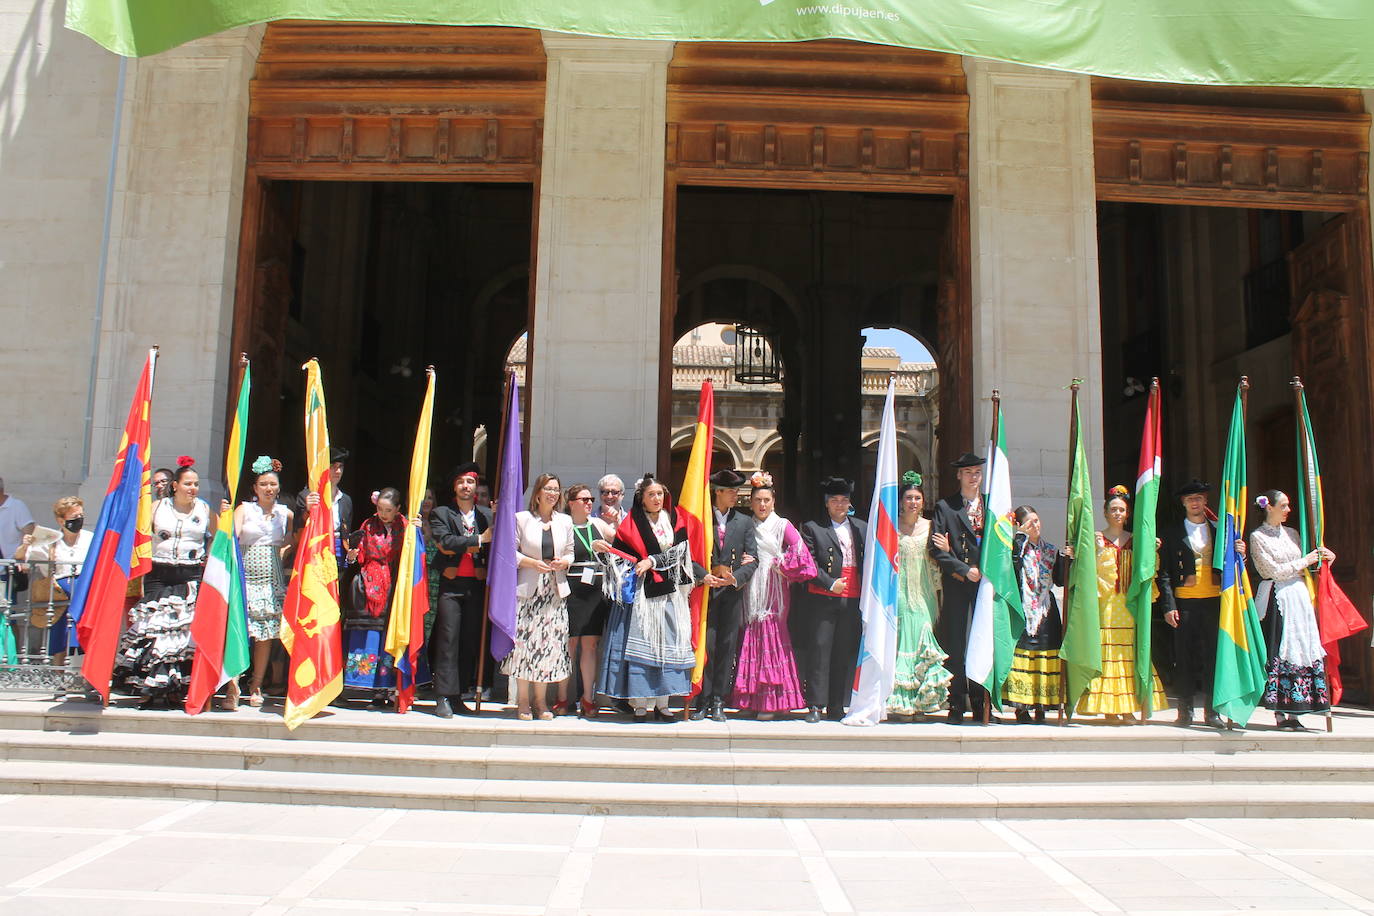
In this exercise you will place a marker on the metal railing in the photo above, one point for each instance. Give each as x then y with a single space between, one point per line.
31 635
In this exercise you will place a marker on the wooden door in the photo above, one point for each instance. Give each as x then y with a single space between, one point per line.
1330 276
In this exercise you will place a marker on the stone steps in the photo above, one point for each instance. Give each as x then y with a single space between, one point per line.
739 768
685 767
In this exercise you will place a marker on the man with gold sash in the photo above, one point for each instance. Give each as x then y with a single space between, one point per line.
1186 556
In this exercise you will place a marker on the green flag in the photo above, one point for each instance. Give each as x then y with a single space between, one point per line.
1144 555
1239 682
1082 648
997 616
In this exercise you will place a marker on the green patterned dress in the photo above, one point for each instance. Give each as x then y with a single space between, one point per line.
921 683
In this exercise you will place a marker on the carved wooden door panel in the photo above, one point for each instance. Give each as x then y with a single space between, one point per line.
1331 350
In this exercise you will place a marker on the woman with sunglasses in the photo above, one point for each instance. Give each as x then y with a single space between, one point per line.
588 606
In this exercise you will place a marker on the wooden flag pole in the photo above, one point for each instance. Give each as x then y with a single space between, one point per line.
494 485
996 423
1065 711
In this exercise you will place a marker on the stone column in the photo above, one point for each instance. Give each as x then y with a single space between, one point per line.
594 404
174 251
1035 280
57 107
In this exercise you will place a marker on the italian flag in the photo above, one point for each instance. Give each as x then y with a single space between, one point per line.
220 626
997 615
1144 556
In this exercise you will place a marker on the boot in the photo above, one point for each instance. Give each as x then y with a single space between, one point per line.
717 710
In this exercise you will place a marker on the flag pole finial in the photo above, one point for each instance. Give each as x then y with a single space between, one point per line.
1245 383
1075 384
243 359
1296 383
1154 383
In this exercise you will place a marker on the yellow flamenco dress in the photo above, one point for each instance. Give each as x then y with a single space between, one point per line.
1114 692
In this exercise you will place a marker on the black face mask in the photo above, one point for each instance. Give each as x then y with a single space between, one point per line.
74 524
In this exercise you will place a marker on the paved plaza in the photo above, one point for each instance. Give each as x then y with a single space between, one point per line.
111 856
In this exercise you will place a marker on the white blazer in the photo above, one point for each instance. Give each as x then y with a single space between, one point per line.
530 542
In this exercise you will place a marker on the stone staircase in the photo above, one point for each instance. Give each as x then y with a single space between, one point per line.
741 768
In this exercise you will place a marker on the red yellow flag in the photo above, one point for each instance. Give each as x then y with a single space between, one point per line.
696 511
310 617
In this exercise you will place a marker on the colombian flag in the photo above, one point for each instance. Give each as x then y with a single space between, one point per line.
310 617
123 541
1337 617
405 632
1239 682
697 514
220 627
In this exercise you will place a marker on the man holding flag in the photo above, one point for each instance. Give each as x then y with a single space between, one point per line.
826 625
958 525
733 559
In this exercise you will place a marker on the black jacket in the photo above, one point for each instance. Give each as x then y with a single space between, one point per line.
964 551
739 540
446 532
1176 557
345 511
825 549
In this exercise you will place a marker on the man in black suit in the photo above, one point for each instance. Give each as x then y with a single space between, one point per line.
826 625
343 506
461 530
959 519
733 558
1186 559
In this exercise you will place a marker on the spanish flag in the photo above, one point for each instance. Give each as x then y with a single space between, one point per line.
310 617
405 632
695 509
1239 682
220 626
122 547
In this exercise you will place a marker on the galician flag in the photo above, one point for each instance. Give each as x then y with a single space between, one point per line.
1144 556
1082 648
998 619
1239 682
878 598
122 545
695 509
405 632
220 627
310 616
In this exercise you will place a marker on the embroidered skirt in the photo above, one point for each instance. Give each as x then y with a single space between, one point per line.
541 637
1035 679
265 589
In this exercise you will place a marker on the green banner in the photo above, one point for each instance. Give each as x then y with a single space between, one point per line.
1230 42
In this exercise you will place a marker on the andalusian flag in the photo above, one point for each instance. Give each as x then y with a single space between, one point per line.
405 632
1144 556
695 509
122 545
220 627
1337 617
878 598
310 617
997 615
1082 648
1239 683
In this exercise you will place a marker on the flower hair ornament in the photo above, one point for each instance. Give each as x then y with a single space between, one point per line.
1262 501
262 464
911 479
1120 491
185 461
760 479
376 495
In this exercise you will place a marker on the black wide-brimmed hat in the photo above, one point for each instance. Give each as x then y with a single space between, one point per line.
1193 486
969 460
727 479
837 486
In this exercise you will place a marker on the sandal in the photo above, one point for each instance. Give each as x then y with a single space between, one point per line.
524 715
588 709
560 708
546 715
255 698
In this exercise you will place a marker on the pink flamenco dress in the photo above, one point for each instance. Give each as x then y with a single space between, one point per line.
766 679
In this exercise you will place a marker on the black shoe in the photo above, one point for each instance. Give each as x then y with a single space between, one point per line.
663 715
955 717
701 711
1213 720
813 714
461 708
718 711
1023 717
1185 718
1039 715
442 709
835 716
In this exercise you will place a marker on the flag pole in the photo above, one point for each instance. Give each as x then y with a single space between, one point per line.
1065 712
1309 501
992 456
494 486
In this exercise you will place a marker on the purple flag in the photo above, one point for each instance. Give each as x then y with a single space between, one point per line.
501 561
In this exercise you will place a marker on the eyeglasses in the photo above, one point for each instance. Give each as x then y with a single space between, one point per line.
611 492
580 499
